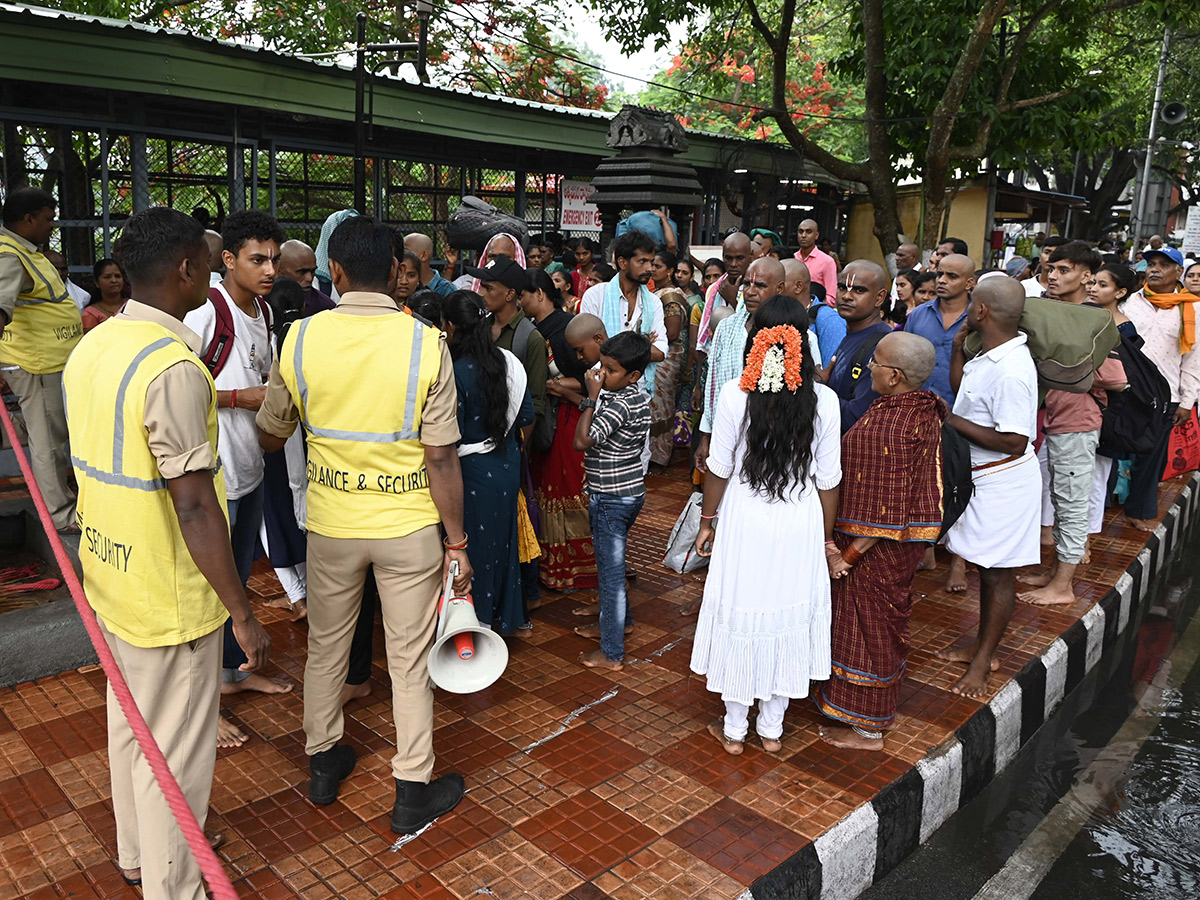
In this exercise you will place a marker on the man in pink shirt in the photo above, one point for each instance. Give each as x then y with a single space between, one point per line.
820 264
1072 433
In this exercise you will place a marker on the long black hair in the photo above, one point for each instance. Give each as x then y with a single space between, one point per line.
286 300
540 281
779 427
472 340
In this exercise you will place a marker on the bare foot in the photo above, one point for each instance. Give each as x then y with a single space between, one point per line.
1050 595
299 610
956 578
278 603
1086 559
1047 535
961 653
848 738
691 607
929 561
355 691
771 745
597 660
256 682
1040 580
593 631
229 735
974 683
592 609
733 748
1140 524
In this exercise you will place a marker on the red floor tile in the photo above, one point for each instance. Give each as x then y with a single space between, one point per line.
703 759
588 756
736 840
587 834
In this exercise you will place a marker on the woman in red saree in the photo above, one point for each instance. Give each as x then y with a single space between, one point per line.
890 511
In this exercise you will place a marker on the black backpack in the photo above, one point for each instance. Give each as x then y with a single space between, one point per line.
957 485
1135 418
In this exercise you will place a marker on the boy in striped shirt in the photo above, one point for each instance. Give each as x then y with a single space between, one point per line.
612 433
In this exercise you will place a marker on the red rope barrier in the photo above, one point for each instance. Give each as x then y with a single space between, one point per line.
210 865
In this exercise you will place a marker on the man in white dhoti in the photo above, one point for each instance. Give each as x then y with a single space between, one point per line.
995 409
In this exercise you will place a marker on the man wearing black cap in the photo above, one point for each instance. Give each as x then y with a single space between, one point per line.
1165 316
500 284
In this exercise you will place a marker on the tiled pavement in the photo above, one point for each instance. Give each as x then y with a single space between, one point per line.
633 800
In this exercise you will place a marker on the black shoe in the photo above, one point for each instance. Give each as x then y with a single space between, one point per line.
328 768
419 804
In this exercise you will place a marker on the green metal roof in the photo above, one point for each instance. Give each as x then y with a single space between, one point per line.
51 47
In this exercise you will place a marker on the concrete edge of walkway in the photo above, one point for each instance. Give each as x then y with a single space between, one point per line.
872 840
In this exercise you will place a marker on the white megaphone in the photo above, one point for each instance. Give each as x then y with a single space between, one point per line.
466 657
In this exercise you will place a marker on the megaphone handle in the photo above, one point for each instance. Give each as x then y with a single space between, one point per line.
447 596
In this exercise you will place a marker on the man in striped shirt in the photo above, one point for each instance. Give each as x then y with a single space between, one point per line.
612 433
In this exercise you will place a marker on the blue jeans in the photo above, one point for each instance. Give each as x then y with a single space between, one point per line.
245 518
612 517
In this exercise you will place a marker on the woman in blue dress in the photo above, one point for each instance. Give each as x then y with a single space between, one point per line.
493 405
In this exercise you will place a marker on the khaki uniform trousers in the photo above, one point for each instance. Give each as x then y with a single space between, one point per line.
178 690
41 399
408 572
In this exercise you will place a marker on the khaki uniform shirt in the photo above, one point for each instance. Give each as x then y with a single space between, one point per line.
176 413
14 280
439 417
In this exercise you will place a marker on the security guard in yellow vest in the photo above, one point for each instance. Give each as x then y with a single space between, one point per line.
375 391
39 327
157 564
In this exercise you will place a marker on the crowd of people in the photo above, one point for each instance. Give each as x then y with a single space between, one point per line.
374 426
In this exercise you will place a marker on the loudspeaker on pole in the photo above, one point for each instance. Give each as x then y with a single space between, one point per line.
1174 113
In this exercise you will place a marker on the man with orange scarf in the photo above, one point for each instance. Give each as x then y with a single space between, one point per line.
1165 316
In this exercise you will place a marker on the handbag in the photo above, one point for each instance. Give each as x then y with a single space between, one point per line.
681 553
1183 453
476 221
683 428
545 427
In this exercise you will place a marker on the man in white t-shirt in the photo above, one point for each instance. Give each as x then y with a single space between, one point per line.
241 361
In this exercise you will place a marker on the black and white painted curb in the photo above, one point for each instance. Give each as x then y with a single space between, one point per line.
872 840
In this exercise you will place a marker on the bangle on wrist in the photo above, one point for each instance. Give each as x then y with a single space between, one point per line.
852 555
457 545
707 518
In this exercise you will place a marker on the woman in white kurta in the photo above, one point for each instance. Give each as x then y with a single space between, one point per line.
774 470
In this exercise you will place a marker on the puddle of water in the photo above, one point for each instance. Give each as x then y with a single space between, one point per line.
1104 802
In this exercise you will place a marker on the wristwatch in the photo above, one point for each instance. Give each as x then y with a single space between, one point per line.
587 403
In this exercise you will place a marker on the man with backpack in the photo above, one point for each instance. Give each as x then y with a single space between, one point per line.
234 328
862 293
1072 433
1165 316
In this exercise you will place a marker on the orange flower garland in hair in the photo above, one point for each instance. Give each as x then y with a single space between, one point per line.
774 361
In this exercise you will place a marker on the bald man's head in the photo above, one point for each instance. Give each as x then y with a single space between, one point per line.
956 278
862 291
912 354
999 301
764 279
215 246
807 233
421 245
797 280
735 251
298 262
907 256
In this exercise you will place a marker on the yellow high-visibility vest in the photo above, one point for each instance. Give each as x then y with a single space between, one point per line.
45 326
137 571
360 383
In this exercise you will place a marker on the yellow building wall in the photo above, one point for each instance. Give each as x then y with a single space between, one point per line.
968 220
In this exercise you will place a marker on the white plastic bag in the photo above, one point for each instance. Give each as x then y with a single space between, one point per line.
681 545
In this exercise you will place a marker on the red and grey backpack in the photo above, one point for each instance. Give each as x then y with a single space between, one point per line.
221 345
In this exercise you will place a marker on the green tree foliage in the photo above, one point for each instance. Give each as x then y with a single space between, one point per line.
944 85
480 44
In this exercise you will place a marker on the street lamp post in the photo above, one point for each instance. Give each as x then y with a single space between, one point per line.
1144 187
